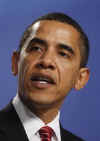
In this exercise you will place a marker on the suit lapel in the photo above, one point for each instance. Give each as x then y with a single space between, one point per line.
14 128
68 136
65 135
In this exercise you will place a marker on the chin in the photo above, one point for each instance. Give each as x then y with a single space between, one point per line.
38 100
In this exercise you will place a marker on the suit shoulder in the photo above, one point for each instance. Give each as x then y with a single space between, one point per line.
3 118
3 123
68 135
6 115
3 136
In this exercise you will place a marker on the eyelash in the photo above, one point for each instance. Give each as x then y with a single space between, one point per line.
64 54
35 48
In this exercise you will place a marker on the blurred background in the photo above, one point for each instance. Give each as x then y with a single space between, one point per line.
80 113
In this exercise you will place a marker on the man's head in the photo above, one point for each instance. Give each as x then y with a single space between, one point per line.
60 17
51 60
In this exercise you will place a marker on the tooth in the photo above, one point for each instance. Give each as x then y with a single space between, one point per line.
43 82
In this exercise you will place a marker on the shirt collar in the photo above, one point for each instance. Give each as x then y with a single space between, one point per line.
31 122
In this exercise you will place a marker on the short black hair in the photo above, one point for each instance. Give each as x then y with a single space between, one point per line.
60 17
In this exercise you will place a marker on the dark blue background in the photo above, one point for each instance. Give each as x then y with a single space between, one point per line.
80 112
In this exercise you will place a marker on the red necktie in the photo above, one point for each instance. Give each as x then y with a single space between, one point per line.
46 133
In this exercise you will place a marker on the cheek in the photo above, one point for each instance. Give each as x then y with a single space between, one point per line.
26 63
23 67
67 74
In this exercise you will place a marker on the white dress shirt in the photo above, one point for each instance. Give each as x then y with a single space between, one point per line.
32 123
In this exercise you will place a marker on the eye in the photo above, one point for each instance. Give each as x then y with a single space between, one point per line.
63 54
35 48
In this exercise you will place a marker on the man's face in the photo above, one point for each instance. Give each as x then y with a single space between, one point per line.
49 63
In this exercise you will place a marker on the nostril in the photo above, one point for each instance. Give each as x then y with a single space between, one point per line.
40 65
44 66
51 67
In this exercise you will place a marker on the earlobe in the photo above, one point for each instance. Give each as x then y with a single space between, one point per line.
82 78
15 59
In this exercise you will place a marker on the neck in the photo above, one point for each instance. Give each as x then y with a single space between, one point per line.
47 114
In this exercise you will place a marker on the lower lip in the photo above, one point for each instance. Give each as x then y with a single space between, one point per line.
39 85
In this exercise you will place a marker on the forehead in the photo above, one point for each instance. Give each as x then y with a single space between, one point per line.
56 32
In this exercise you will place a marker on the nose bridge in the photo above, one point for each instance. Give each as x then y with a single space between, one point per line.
47 58
48 54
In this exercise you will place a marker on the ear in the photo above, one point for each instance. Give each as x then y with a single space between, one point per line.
15 59
82 79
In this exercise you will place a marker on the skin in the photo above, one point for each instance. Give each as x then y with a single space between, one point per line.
59 57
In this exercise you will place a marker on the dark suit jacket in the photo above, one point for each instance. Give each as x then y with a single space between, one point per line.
11 128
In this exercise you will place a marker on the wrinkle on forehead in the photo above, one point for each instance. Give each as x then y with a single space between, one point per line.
53 31
62 32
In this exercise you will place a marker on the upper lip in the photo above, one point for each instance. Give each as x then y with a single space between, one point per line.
43 76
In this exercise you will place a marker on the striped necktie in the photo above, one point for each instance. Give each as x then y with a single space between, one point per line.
46 133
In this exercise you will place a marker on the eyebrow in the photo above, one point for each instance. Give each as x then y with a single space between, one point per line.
44 43
67 48
39 41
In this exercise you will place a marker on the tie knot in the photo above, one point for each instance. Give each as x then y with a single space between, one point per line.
46 133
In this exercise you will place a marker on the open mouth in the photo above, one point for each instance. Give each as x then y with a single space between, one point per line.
42 81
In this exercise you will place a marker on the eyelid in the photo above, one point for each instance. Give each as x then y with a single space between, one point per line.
33 46
64 54
66 48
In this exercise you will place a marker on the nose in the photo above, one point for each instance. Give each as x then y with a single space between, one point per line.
46 61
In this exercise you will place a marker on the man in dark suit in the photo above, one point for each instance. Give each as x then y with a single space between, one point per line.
50 61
